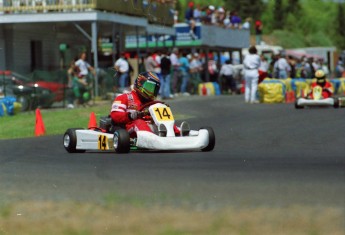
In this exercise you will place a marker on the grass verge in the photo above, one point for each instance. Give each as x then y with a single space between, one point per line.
35 218
56 121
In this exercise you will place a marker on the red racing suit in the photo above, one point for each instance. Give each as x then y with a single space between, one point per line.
122 106
120 109
327 89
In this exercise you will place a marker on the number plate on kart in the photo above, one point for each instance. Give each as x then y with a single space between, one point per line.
317 93
163 114
103 142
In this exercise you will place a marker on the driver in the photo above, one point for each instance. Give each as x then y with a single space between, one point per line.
125 108
327 89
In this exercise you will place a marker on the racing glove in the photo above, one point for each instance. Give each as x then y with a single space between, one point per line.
134 115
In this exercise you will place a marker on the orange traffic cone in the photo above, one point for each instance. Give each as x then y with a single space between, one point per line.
39 127
92 121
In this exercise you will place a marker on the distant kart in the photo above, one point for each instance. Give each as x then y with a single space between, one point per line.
115 138
317 100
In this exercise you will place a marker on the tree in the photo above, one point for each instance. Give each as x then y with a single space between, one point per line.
278 15
340 29
294 7
246 8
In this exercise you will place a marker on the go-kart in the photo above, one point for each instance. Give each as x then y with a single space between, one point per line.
315 99
109 136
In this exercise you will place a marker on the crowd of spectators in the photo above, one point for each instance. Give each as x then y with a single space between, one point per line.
211 15
181 72
287 66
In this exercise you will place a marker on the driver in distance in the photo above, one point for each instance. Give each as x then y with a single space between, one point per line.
327 90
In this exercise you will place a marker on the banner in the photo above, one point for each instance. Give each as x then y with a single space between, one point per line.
183 37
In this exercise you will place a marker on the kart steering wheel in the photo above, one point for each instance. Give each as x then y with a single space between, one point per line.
145 106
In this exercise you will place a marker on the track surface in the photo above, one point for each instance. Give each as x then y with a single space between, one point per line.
265 155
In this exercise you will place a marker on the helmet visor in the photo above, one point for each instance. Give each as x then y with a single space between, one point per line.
150 89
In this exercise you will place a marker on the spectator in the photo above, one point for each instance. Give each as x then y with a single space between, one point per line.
270 71
220 16
71 73
165 72
210 19
263 69
281 67
235 20
84 68
175 17
340 69
324 67
246 24
258 31
251 65
189 18
306 70
184 68
121 66
311 68
298 68
79 86
227 78
195 68
197 13
174 58
212 68
292 62
150 63
157 57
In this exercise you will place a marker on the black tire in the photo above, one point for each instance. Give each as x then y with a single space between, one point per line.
336 103
211 139
25 102
70 141
121 141
298 106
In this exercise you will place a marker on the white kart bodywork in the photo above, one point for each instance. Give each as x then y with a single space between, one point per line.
310 102
90 140
317 100
79 140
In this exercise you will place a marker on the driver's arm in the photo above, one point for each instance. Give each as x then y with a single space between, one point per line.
118 111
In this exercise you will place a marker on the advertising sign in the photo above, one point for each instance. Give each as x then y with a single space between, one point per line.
184 36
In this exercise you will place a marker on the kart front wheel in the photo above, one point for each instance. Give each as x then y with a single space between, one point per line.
211 139
70 141
121 141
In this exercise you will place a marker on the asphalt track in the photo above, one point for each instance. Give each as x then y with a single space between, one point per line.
265 155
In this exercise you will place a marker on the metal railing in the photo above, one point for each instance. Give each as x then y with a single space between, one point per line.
34 6
157 11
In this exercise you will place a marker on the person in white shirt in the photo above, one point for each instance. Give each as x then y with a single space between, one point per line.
175 63
282 67
84 66
122 67
251 64
227 79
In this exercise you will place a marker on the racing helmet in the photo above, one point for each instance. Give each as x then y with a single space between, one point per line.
147 85
320 76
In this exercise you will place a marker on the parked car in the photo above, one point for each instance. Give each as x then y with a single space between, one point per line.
30 95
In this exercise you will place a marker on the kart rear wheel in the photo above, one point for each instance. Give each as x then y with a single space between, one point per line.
297 106
211 139
121 141
70 141
336 103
